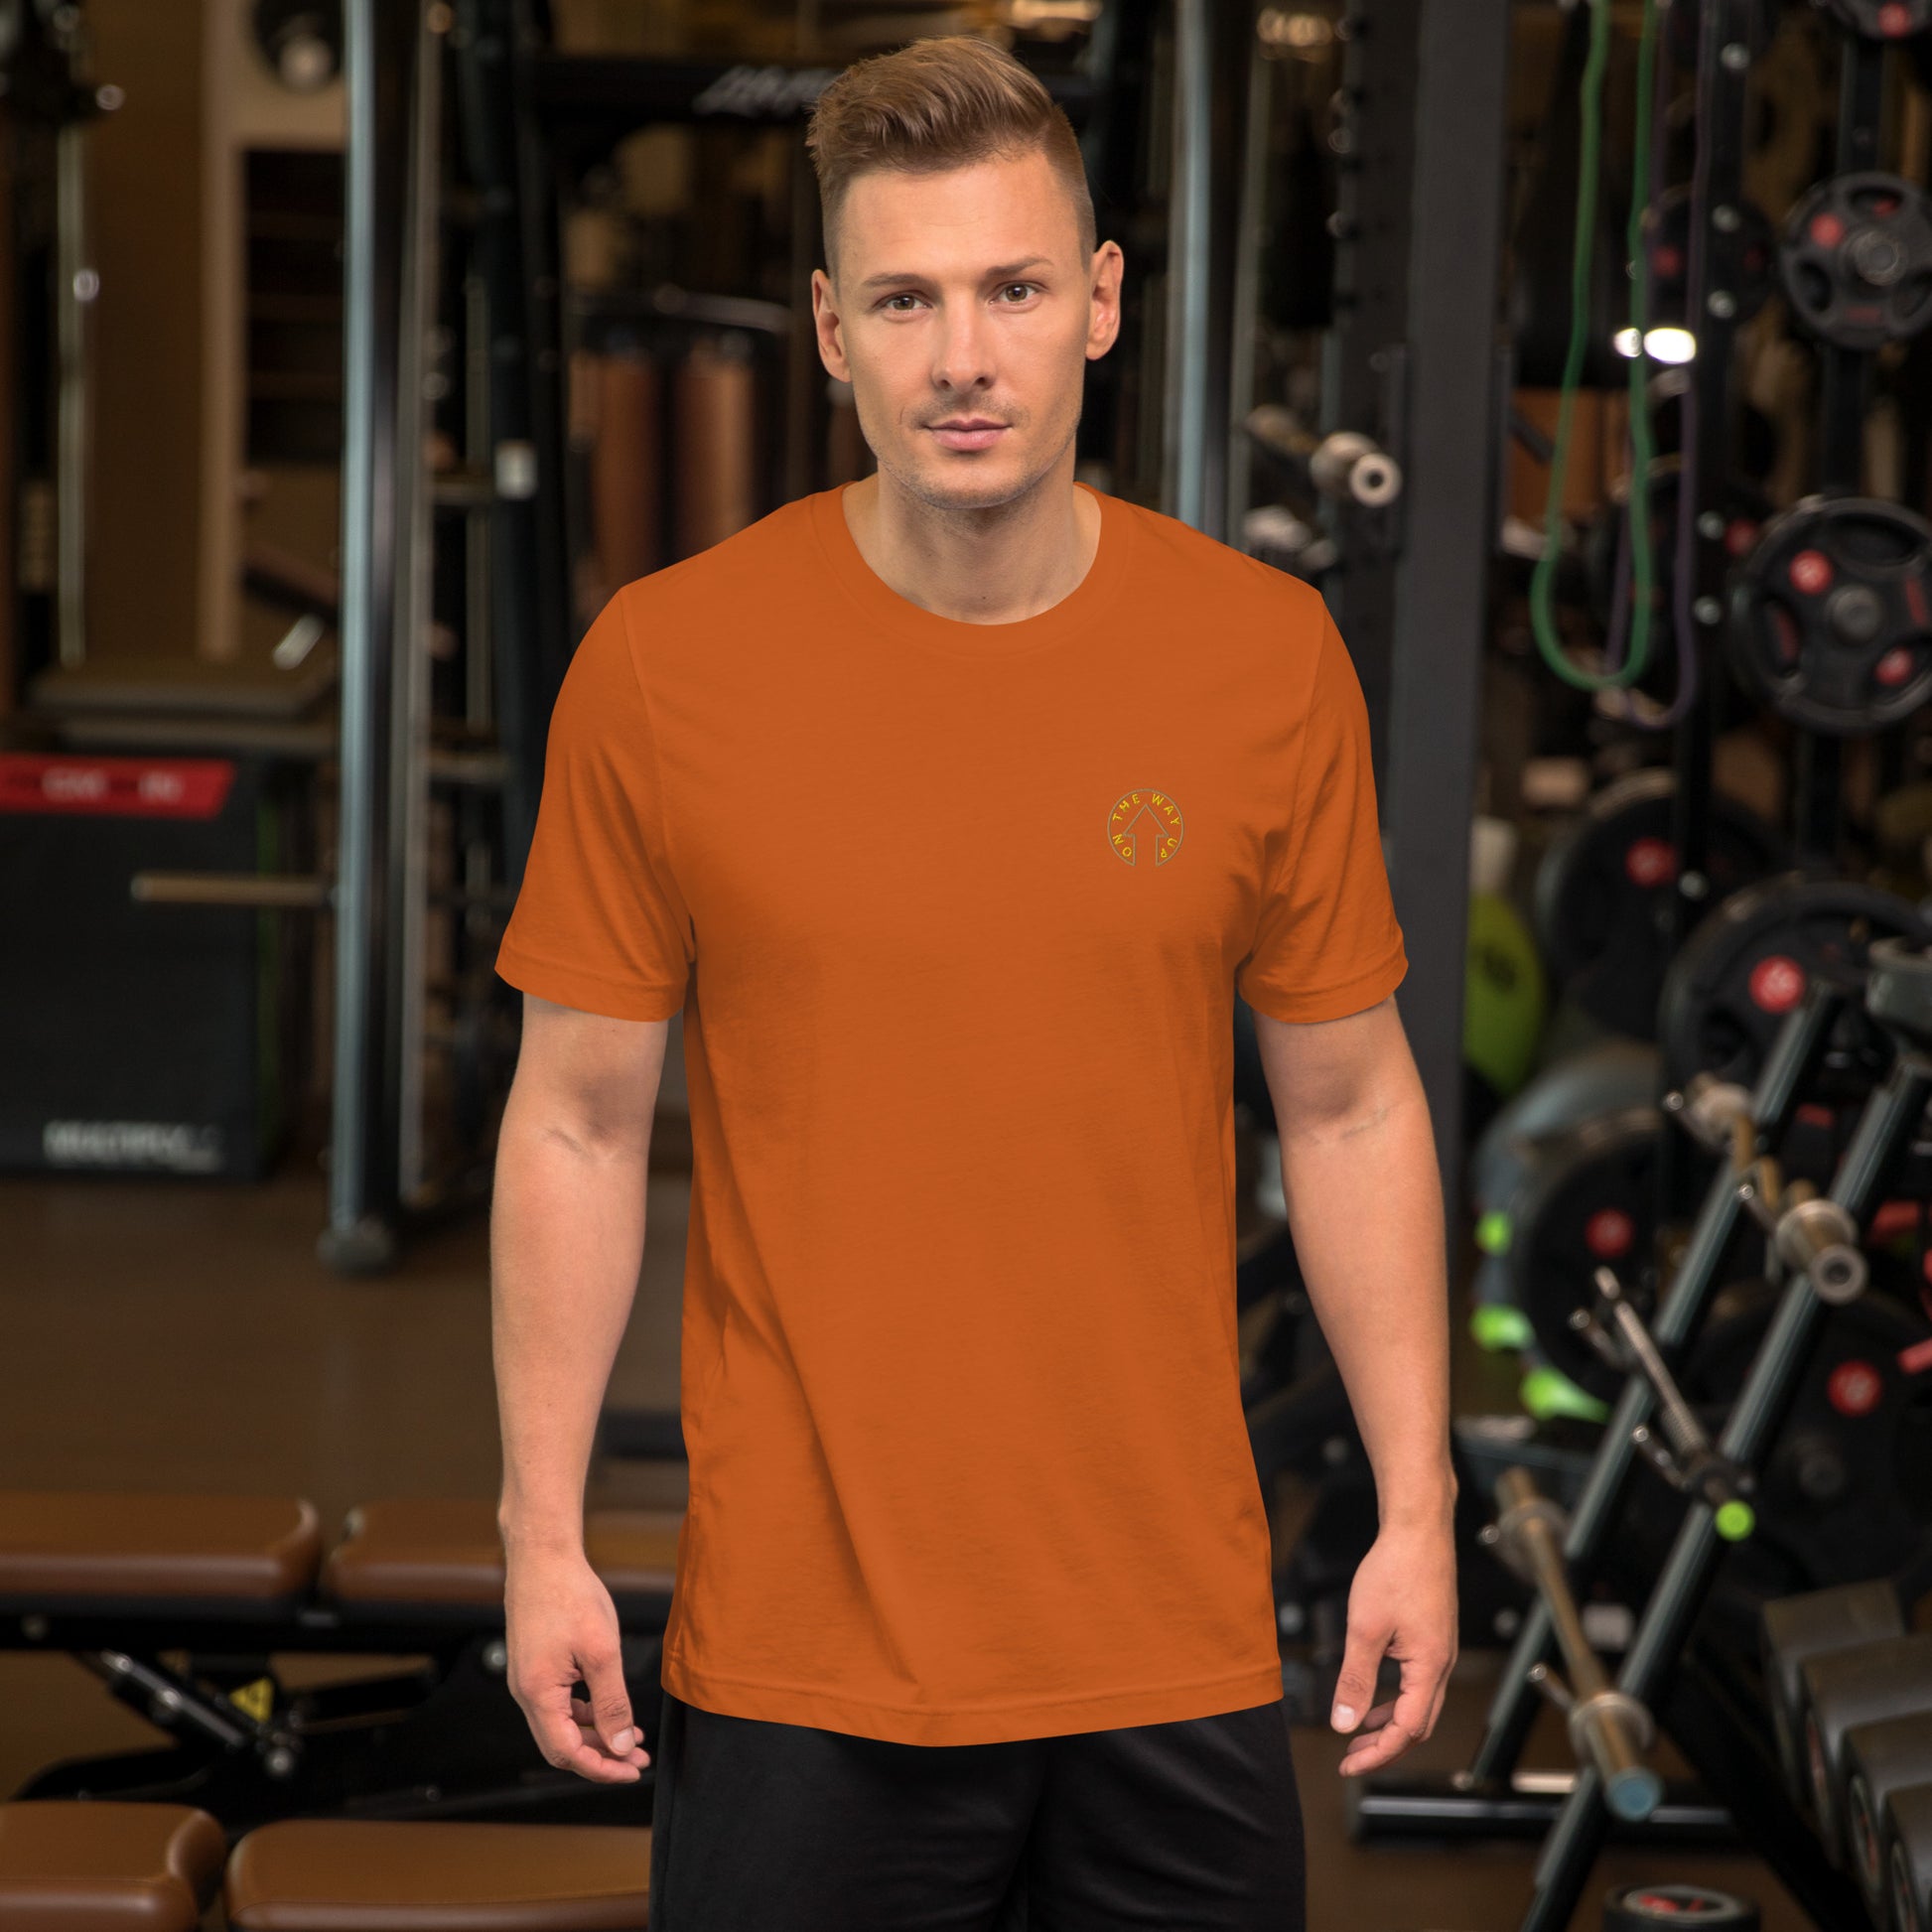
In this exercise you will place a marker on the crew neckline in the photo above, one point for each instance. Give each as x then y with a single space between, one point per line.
956 636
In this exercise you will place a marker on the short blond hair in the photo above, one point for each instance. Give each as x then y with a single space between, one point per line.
943 102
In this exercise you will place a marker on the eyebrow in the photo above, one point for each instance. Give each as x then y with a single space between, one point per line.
1004 272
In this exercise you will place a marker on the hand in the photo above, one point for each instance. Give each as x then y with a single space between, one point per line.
1402 1604
561 1625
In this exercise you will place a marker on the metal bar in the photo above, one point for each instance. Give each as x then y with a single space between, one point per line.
277 892
379 53
1190 262
1441 574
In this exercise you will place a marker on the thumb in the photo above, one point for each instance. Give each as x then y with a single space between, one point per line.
1356 1684
609 1700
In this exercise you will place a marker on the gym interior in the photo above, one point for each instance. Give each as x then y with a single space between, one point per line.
356 351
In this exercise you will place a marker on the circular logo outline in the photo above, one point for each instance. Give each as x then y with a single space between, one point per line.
1133 802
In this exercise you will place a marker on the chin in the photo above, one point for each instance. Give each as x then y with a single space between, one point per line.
966 483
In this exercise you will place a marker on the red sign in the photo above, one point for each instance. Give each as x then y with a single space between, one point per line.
114 787
1777 983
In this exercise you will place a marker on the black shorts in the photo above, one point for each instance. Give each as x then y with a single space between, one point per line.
1188 1827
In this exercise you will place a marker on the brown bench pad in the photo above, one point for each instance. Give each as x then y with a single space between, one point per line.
326 1875
123 1544
100 1866
435 1549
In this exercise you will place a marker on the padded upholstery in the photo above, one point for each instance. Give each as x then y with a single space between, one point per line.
100 1866
414 1550
121 1543
326 1875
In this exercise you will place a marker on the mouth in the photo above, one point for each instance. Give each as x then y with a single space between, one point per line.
968 432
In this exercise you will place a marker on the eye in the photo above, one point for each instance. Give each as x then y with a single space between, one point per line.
903 295
1025 288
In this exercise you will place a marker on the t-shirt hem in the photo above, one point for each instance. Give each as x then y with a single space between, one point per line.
787 1703
572 986
1330 1002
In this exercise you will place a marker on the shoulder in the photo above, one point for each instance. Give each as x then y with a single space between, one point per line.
754 562
1246 599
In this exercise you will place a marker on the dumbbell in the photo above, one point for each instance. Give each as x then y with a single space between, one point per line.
1908 1858
1640 1909
1797 1629
1844 1688
1890 1755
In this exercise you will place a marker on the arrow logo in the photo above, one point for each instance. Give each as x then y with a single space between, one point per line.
1143 828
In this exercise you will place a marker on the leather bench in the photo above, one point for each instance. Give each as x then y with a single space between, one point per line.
249 1555
105 1867
320 1874
439 1551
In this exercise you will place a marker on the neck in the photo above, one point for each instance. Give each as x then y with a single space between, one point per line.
978 566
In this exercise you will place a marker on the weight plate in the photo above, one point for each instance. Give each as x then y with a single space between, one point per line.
1605 889
1856 260
1638 1908
1742 256
1586 1202
1883 20
1616 1073
1743 509
1736 977
1831 616
1846 1490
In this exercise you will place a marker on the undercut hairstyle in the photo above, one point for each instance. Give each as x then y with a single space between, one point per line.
944 102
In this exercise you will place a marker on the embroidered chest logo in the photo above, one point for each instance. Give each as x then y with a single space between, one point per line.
1143 828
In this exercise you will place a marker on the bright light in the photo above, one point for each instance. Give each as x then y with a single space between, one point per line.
1659 344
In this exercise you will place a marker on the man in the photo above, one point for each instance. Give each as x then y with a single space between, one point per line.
950 808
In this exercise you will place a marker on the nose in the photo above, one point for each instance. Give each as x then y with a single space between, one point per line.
962 351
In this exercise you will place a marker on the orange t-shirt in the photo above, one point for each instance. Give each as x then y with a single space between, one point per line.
955 913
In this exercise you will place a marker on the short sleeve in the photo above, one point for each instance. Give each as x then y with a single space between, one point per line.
1327 942
600 924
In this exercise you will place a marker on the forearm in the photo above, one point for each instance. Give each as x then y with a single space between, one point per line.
566 1234
1364 1200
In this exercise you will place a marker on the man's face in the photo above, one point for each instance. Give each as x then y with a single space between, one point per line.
964 315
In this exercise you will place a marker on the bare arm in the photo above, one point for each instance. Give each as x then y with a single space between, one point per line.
567 1236
1364 1200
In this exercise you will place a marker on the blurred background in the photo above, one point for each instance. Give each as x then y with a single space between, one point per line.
352 353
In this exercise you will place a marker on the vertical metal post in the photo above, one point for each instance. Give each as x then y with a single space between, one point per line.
73 307
381 48
1449 519
1190 264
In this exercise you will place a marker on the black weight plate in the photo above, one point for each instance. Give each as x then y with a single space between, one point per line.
1604 891
1883 20
1744 511
1736 977
1641 1908
1743 256
1846 1490
1586 1202
1831 616
1856 260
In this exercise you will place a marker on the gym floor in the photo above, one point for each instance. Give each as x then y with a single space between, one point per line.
183 1335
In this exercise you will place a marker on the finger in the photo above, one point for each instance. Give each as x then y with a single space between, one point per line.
1356 1684
563 1744
1420 1678
609 1700
1371 1753
580 1716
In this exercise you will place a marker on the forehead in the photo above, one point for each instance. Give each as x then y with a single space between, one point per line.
1007 209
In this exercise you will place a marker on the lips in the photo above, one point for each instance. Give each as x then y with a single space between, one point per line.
970 433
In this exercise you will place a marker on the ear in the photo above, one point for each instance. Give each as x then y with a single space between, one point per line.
828 326
1103 312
